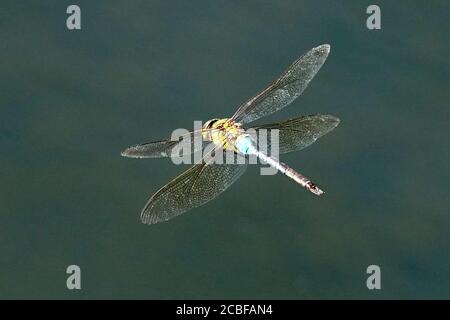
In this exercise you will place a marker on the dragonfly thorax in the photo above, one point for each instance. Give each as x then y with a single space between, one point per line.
222 132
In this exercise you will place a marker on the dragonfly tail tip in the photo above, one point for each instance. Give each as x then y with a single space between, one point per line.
314 189
323 48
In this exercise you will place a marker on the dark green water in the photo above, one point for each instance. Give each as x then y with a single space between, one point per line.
70 101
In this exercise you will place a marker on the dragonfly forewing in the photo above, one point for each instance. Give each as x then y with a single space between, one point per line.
188 143
286 88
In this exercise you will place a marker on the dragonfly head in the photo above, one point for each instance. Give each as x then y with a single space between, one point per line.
225 123
208 124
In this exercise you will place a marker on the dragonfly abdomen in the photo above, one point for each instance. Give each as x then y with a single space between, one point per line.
247 146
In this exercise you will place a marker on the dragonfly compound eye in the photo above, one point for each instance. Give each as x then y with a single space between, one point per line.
208 124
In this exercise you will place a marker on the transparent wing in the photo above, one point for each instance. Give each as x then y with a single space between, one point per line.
187 144
193 188
286 88
297 133
154 149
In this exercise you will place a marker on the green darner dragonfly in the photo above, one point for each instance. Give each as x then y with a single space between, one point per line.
206 180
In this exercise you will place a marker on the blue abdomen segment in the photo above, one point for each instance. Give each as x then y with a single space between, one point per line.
245 145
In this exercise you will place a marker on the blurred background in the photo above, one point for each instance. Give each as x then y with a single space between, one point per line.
72 100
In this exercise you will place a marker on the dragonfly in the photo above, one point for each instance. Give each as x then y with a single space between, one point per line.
206 179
